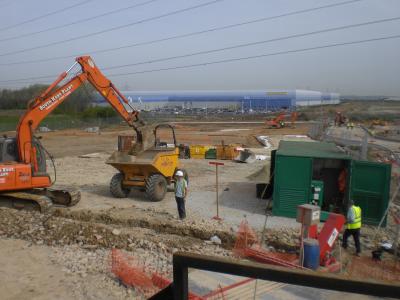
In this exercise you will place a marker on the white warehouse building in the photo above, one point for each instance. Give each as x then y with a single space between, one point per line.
240 99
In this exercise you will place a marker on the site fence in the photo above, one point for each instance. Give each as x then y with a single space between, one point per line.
60 122
359 149
148 279
365 268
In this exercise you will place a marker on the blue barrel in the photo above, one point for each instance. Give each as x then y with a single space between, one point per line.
311 254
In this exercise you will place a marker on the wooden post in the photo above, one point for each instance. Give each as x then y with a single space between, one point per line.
216 164
396 239
216 188
397 246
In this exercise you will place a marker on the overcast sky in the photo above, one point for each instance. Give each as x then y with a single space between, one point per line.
368 68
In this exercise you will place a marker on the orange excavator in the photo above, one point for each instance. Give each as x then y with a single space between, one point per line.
24 180
279 120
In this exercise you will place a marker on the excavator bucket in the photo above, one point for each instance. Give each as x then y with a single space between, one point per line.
245 156
144 139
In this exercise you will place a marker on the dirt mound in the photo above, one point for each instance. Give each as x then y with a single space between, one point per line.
261 176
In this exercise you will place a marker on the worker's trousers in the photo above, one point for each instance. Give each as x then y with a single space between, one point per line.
356 236
180 202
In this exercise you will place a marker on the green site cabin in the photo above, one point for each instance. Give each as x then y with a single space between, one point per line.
308 172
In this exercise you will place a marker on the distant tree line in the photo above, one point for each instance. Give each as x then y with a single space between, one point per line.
79 101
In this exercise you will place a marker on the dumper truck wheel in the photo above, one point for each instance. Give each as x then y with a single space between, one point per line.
156 187
116 188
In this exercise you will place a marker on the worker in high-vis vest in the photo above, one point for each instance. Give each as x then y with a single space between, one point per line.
353 226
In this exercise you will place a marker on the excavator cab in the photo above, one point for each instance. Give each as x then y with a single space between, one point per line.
39 167
21 177
8 150
9 154
158 143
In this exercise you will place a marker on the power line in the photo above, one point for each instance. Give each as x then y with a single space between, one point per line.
113 28
255 43
6 3
260 56
186 34
232 59
45 15
29 78
239 45
78 21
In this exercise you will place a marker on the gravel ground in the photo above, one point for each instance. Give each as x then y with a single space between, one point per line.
41 272
236 190
66 255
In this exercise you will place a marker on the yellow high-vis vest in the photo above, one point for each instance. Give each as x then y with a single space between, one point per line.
357 218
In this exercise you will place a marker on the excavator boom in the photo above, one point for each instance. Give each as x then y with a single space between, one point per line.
43 105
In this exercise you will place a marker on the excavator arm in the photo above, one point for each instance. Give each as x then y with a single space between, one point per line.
50 99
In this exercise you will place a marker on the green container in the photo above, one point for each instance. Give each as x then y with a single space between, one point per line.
211 154
370 188
296 166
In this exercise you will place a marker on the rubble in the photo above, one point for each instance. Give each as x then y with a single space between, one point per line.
44 129
116 232
90 231
52 230
265 141
154 219
95 129
90 155
74 260
82 248
215 240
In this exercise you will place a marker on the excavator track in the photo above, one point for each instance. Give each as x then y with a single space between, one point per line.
26 201
42 200
64 196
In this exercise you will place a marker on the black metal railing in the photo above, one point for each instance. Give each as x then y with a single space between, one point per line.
178 290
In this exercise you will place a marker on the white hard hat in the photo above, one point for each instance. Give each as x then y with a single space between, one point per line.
179 173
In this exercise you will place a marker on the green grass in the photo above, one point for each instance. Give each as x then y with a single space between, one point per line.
8 123
60 121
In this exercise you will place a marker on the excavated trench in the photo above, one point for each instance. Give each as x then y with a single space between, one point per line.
128 229
107 230
160 223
